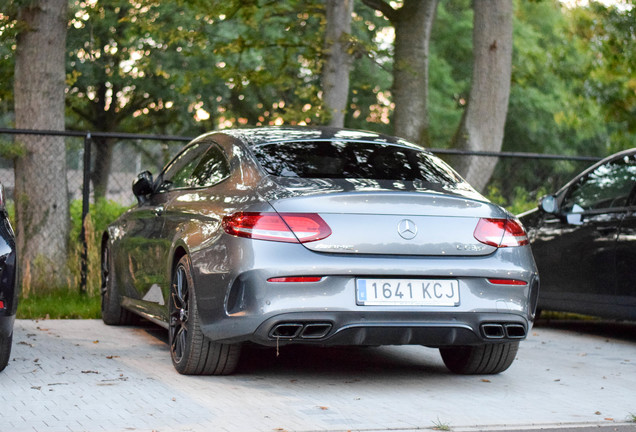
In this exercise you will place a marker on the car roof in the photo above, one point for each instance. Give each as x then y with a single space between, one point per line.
254 137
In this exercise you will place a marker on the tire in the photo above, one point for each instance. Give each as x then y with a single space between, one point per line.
191 352
5 351
112 312
487 359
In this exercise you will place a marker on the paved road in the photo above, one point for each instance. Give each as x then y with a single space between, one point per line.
81 375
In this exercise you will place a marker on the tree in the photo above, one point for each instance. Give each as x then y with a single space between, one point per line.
268 57
413 23
482 124
42 212
128 65
608 32
566 68
189 67
337 60
7 32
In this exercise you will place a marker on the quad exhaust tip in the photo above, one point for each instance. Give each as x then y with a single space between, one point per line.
300 330
503 331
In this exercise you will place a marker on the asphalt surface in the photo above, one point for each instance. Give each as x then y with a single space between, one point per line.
81 375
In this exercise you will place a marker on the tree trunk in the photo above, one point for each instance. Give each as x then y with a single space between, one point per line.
41 192
413 23
482 125
102 166
335 74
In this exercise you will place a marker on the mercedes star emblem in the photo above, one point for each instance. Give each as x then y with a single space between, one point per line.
407 229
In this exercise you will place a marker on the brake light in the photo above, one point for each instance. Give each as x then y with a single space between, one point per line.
507 282
296 279
1 304
500 232
283 227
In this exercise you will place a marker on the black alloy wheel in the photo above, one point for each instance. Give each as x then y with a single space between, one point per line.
192 353
112 311
179 314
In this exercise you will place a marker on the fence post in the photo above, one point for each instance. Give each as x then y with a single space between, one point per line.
86 188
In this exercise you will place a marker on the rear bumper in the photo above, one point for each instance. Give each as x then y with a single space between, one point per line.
351 328
244 306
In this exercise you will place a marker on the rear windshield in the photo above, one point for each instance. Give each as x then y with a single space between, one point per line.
347 159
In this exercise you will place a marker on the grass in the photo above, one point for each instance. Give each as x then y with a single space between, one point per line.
556 315
441 426
42 302
60 304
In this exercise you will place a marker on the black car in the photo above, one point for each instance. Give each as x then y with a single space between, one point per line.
8 283
584 241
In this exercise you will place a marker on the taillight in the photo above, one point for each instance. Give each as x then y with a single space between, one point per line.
500 232
507 282
282 227
1 304
296 279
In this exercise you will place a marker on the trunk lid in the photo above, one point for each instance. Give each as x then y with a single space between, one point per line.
393 220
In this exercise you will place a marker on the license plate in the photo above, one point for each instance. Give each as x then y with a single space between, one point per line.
407 292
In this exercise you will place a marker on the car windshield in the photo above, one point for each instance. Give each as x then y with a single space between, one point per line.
353 159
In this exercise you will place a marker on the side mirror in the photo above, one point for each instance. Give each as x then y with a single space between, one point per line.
549 204
142 186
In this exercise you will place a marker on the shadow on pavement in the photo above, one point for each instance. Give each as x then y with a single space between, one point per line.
622 330
343 361
326 360
385 361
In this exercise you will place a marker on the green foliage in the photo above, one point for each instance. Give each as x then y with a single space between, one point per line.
128 63
551 109
11 150
450 69
520 201
268 55
607 32
102 213
60 304
371 76
7 53
189 66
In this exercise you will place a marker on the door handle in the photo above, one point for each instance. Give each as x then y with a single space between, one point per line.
158 211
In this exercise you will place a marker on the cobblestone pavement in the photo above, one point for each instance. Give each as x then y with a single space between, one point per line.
81 375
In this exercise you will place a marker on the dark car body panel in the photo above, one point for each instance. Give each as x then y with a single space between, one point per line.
8 276
586 258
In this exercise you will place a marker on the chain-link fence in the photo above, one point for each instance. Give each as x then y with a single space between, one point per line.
103 165
94 178
129 154
523 174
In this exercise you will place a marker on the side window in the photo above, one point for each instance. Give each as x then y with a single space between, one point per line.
212 169
178 172
607 187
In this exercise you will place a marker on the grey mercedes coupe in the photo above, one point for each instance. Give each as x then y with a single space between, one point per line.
318 236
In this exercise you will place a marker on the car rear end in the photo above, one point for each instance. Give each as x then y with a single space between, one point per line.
459 280
416 259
